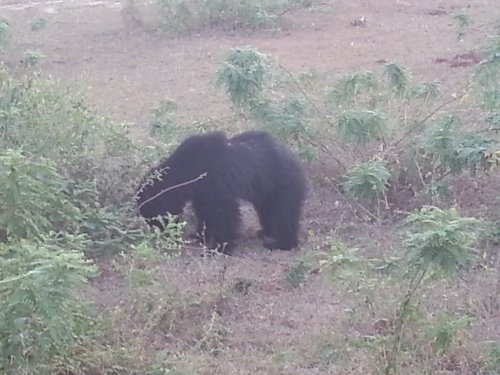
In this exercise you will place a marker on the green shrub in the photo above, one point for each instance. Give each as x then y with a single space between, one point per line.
486 76
243 75
248 78
43 120
33 200
38 24
398 78
439 238
447 150
353 89
438 242
41 318
367 180
187 16
4 33
288 120
162 125
360 126
32 58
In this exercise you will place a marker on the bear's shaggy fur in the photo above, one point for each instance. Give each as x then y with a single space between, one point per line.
213 172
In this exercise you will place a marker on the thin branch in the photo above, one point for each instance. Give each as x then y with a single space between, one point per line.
323 148
426 118
348 202
318 144
302 91
400 321
203 175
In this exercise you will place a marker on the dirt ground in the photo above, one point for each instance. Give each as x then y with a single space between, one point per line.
125 69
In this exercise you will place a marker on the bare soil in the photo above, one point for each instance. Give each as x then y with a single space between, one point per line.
126 69
246 315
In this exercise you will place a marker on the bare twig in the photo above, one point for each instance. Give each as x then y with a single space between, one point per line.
302 91
348 203
203 175
400 321
426 118
308 139
325 149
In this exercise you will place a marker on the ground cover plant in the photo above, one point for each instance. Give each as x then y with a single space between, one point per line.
397 268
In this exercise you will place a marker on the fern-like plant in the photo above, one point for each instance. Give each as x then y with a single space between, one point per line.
32 200
360 126
4 33
367 180
353 87
287 119
426 91
32 58
55 124
439 238
41 316
486 77
162 125
437 241
243 75
398 78
448 151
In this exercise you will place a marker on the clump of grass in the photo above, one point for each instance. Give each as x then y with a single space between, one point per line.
188 16
4 33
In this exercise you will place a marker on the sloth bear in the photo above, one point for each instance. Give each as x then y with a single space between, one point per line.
213 172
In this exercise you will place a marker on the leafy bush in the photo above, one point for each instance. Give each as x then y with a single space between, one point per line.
439 238
393 120
446 150
43 120
37 200
398 78
68 177
243 75
34 200
162 125
41 317
248 77
445 330
185 16
287 119
360 126
38 24
493 358
32 58
297 275
486 76
367 180
4 33
438 242
353 89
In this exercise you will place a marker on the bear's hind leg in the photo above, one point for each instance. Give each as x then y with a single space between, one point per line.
221 222
264 212
285 221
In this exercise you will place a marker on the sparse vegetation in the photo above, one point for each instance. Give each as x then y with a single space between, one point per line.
185 17
368 180
188 16
38 24
4 33
438 242
32 58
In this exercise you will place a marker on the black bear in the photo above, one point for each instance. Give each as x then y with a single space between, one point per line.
213 172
